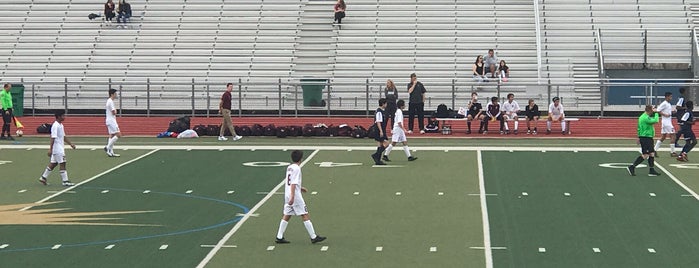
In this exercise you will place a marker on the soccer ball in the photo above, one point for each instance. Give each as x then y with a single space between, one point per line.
19 133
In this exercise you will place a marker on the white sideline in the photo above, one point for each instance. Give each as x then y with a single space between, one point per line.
484 213
90 179
237 226
690 191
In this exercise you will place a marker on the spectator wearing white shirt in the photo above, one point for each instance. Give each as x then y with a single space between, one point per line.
491 62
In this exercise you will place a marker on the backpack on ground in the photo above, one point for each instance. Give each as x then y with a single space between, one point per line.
44 128
442 111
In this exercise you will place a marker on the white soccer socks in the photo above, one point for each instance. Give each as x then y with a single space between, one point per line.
64 175
47 172
406 150
388 149
282 229
657 145
110 144
309 228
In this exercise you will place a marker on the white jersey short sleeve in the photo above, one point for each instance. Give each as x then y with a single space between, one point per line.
398 119
510 108
294 177
58 134
108 111
665 109
556 110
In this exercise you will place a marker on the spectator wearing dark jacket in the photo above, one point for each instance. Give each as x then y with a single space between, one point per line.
124 11
417 104
391 95
109 10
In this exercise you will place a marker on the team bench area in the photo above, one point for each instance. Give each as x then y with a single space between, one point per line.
448 122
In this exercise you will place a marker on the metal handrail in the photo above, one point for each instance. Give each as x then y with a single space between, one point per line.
538 39
600 52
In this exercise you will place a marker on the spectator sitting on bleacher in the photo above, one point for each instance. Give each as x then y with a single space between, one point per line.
491 62
340 11
503 71
109 10
124 11
479 70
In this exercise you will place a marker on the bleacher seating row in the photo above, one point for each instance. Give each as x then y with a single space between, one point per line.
171 42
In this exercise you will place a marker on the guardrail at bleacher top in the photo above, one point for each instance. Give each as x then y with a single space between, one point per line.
286 98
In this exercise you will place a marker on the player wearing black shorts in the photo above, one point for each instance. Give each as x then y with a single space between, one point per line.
474 111
380 120
532 113
646 132
686 122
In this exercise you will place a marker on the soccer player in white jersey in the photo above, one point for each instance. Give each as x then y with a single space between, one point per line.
112 126
57 151
556 114
399 134
293 200
511 109
666 128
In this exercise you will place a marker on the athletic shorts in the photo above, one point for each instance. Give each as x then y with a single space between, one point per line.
398 135
555 117
58 158
511 116
687 133
382 138
113 128
297 209
647 145
667 128
530 117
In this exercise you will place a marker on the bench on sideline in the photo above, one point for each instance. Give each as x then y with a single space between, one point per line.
569 121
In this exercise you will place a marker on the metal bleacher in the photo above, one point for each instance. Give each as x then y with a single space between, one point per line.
171 42
570 33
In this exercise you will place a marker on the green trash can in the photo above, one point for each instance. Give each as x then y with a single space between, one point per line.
313 91
17 91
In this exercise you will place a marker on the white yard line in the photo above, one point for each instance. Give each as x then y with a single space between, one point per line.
342 148
91 179
484 211
237 226
689 190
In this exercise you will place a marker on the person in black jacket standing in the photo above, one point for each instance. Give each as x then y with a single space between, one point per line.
417 104
391 95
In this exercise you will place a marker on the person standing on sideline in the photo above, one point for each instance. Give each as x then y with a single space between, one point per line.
475 111
686 122
511 108
533 114
380 121
666 127
224 108
417 104
112 126
6 102
339 11
646 132
293 201
57 151
399 134
391 95
556 114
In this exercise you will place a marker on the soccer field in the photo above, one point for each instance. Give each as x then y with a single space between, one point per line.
456 206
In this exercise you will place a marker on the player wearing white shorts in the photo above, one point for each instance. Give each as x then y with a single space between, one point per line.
293 200
556 114
511 109
112 126
57 151
666 128
398 134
